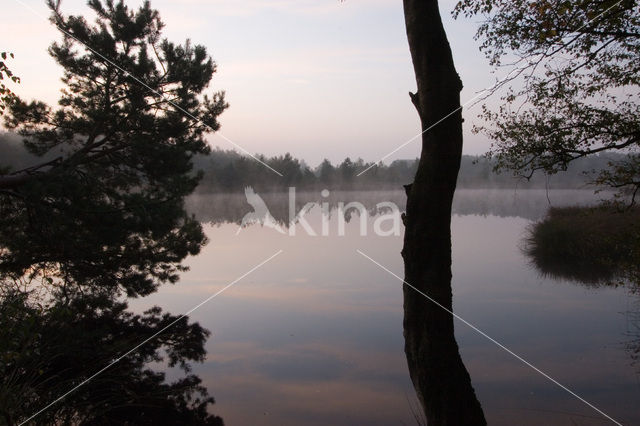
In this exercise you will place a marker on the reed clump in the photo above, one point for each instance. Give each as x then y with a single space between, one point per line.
594 245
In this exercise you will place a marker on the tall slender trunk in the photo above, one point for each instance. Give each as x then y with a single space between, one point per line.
438 374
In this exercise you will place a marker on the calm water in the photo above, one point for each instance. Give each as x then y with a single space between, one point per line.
315 336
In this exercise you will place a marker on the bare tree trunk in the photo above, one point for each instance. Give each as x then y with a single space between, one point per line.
438 374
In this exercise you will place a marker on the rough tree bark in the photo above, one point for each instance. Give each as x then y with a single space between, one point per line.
440 378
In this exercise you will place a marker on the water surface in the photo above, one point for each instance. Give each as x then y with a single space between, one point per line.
315 336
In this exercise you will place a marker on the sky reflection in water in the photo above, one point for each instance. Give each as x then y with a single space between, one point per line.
315 337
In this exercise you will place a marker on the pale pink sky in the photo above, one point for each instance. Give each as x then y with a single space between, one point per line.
316 78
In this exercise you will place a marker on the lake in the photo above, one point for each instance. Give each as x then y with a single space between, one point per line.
314 336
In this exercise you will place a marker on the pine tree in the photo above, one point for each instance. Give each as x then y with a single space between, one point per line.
104 210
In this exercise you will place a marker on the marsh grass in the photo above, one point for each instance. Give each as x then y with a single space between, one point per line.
593 245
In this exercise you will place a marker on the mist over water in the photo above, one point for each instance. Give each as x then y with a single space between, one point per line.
529 204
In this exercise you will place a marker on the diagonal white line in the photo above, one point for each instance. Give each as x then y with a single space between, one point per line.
482 92
97 373
500 345
146 86
415 137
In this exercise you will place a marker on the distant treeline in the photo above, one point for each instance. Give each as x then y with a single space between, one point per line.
230 171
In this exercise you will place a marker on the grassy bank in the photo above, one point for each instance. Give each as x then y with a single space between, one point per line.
593 245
